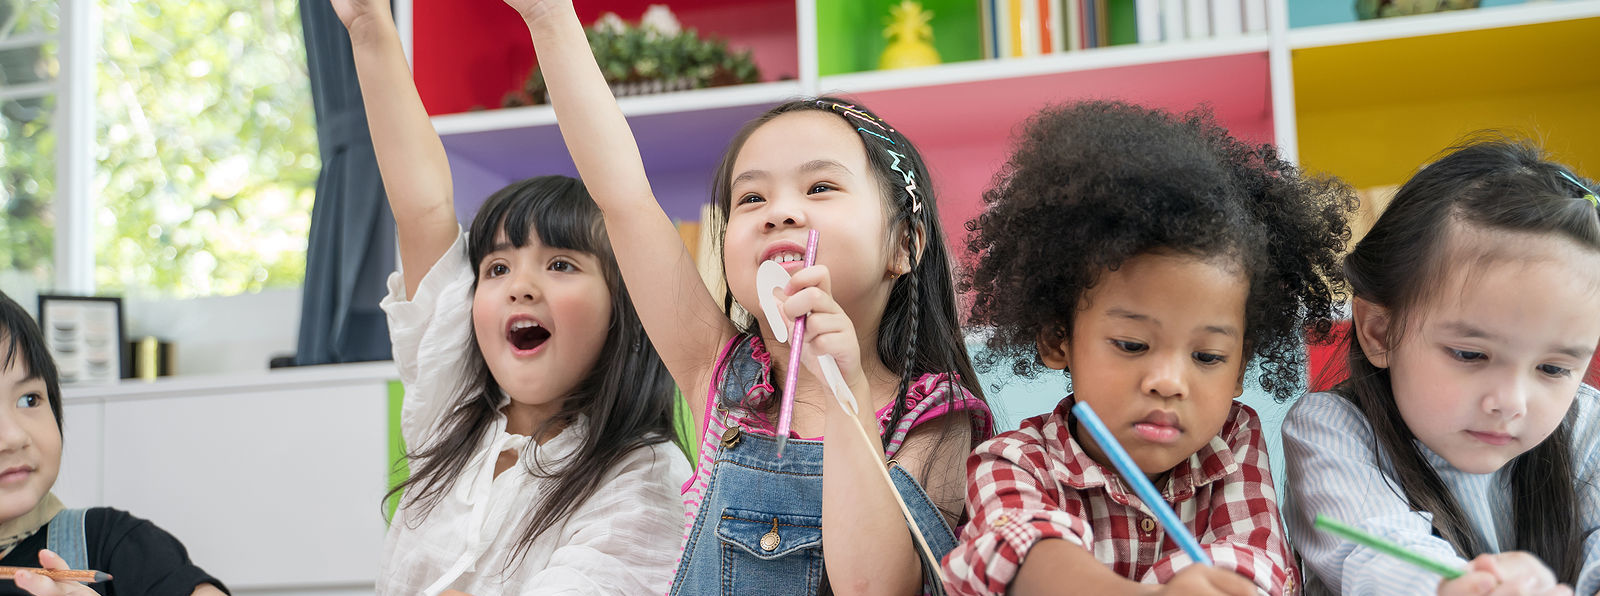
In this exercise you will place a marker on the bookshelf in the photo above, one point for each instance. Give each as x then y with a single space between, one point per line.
1367 101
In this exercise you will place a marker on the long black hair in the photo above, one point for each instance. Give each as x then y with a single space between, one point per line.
919 332
1494 184
627 396
22 342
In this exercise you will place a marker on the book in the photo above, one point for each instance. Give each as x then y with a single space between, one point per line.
1172 21
1027 16
991 47
1073 24
1227 18
1255 16
1196 19
1122 23
1148 14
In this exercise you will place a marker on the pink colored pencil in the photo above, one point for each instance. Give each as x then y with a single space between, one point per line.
796 339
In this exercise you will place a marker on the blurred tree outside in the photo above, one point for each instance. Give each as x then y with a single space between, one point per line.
27 140
206 147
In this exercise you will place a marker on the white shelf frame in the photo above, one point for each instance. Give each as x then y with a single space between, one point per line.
1278 42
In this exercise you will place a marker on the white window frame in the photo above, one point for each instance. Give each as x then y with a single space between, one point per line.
74 122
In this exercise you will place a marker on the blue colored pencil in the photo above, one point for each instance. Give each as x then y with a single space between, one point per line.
1141 485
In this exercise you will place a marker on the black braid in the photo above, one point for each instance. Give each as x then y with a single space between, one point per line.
912 322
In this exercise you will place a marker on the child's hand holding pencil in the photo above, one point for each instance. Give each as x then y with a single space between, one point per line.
55 579
1502 574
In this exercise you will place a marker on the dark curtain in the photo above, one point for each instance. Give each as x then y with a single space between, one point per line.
351 249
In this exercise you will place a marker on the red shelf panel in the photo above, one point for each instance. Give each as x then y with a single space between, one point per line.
467 56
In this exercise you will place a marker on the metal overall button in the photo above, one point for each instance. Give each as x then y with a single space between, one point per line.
769 541
730 437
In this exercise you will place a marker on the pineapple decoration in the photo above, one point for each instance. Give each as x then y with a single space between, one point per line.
1377 9
910 37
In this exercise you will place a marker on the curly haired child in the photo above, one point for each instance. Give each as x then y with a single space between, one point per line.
1153 258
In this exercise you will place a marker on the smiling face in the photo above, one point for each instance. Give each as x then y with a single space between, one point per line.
1491 362
1157 349
541 316
801 171
30 441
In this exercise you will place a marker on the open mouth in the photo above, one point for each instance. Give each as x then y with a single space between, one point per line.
526 335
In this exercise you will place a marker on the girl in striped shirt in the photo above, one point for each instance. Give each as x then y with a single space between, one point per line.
1463 431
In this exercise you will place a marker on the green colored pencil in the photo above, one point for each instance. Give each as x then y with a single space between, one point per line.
1386 547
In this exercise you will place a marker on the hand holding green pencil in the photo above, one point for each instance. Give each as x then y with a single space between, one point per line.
1529 575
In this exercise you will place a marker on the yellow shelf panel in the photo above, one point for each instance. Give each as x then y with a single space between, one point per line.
1373 112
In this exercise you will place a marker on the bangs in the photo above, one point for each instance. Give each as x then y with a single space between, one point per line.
556 208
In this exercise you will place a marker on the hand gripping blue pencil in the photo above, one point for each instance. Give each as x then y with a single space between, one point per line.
1141 485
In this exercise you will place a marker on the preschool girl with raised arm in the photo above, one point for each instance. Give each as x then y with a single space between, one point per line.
880 302
1154 259
537 413
1464 432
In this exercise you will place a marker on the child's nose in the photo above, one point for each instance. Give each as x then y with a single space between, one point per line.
523 289
1509 398
12 436
1165 379
785 213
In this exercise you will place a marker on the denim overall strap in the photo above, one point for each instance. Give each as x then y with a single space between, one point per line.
934 529
64 535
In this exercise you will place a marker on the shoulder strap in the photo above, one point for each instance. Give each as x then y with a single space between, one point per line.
65 536
934 529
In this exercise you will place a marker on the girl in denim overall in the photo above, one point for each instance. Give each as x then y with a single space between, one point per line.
880 301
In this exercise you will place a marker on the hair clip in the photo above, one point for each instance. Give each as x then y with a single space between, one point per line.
910 180
1589 194
891 141
849 110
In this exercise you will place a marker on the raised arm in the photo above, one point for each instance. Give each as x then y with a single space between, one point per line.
416 174
682 318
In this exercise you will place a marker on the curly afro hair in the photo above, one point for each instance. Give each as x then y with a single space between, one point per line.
1095 183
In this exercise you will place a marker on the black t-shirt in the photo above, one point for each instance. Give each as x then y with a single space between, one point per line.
141 558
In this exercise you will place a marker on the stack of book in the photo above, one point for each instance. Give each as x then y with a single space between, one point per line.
1017 28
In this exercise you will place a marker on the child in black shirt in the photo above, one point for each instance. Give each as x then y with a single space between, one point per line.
36 530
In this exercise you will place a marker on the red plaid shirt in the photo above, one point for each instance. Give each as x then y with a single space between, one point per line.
1036 483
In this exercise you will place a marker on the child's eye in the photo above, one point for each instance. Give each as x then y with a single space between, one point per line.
497 270
1131 347
749 198
31 400
821 188
1467 355
563 266
1555 371
1208 358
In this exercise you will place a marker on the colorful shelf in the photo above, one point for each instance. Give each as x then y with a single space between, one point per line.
1371 100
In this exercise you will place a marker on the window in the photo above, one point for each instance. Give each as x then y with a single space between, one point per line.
206 147
28 71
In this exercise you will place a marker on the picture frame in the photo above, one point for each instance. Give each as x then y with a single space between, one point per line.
84 335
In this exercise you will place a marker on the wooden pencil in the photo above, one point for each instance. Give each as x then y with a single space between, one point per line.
88 576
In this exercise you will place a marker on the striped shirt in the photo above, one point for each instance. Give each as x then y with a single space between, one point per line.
1331 470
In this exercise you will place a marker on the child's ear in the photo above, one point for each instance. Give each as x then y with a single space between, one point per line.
1371 323
1054 348
901 264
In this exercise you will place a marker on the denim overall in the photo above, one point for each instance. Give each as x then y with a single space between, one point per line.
759 527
